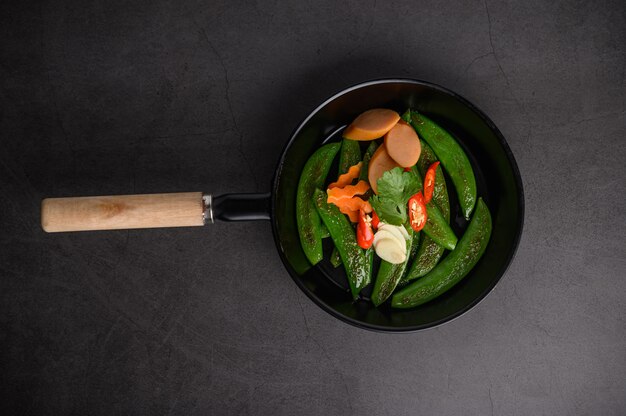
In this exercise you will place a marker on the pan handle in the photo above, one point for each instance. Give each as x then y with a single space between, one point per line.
239 207
122 212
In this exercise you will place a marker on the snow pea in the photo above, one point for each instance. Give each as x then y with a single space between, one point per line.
335 258
429 252
437 226
454 267
309 224
349 155
452 157
366 160
440 194
389 275
357 266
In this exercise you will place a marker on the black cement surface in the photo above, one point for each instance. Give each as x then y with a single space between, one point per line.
114 97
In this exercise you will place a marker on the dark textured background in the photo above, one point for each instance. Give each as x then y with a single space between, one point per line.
114 97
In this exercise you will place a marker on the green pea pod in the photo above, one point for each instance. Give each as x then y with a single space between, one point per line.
429 252
440 192
389 275
344 237
366 160
309 224
369 259
325 233
452 157
349 155
407 116
414 245
335 257
454 267
437 227
428 255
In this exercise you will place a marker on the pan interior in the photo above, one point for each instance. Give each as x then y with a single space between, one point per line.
498 182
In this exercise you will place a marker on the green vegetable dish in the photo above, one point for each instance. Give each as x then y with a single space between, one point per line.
388 208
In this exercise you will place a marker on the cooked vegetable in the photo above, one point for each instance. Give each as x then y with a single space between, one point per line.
398 230
400 206
325 233
352 206
349 169
427 256
395 187
438 228
346 178
345 199
342 233
347 192
417 212
335 257
429 182
313 176
369 152
371 124
452 157
351 209
428 251
389 275
349 155
406 116
364 233
390 243
414 247
454 267
389 248
403 145
375 220
369 259
380 163
440 192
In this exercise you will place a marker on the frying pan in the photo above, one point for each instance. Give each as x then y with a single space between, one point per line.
498 181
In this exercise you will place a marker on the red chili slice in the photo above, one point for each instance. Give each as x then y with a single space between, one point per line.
375 220
417 211
429 182
364 233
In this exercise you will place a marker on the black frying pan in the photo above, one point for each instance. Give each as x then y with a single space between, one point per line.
496 172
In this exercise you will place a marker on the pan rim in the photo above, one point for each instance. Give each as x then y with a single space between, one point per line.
520 206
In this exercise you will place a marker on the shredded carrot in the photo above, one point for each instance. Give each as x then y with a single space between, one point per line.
347 204
344 195
348 191
353 215
351 207
347 178
354 204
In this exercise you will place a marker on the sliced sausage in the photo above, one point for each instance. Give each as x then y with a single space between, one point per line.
380 163
403 145
371 124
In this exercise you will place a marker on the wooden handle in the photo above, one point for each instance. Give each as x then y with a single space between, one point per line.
122 212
